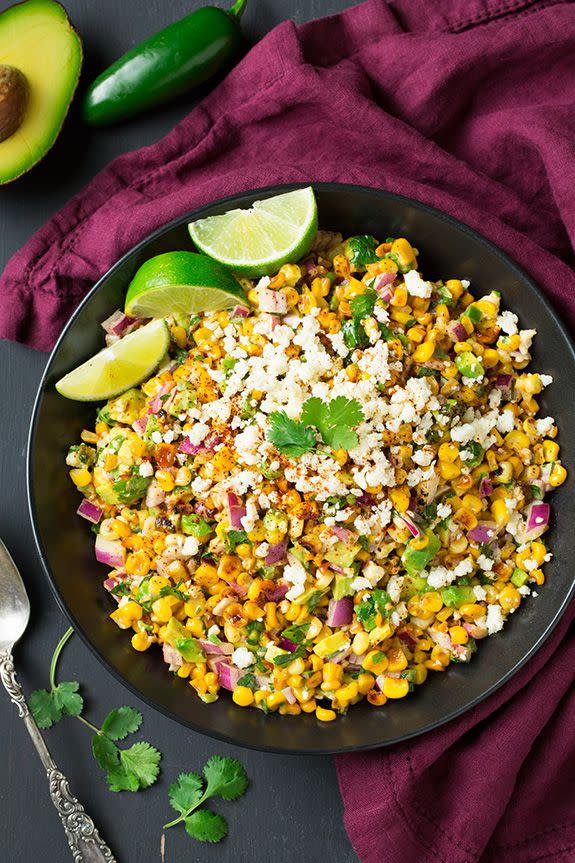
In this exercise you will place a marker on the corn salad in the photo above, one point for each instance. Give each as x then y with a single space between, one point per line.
324 497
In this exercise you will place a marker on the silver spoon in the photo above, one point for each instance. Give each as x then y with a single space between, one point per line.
83 838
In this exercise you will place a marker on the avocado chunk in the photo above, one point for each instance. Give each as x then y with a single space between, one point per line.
40 62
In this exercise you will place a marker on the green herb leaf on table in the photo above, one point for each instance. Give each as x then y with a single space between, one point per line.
48 707
126 769
186 792
225 777
290 437
206 826
141 760
121 722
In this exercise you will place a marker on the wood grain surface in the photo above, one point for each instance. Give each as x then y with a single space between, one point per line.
293 809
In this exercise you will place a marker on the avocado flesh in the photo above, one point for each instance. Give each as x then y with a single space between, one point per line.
37 38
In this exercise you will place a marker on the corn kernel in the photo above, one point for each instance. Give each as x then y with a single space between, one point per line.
243 696
325 715
424 352
395 687
557 476
80 476
375 661
165 480
509 598
458 635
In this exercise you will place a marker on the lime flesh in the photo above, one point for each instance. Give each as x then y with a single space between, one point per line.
181 283
119 367
256 242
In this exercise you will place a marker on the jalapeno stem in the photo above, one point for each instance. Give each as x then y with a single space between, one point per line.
237 9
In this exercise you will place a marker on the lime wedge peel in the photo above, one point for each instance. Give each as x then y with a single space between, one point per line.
181 283
122 365
257 241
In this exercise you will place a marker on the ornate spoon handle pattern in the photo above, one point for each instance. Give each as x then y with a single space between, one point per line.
85 842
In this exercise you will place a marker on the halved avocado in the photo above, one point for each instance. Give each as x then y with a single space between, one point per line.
40 62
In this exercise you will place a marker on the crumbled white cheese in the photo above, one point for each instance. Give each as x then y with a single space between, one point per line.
494 621
480 592
262 549
485 563
146 469
296 575
242 657
156 437
190 546
416 286
544 425
508 322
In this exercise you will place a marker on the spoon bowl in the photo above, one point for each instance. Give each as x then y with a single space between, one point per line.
14 602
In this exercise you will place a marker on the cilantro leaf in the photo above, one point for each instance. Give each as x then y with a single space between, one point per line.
362 305
121 722
290 437
297 632
286 658
119 779
44 709
206 826
334 420
186 792
105 752
248 680
237 537
48 707
143 761
225 777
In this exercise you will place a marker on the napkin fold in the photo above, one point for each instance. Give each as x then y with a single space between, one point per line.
467 105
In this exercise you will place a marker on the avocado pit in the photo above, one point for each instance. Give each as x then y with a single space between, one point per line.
13 100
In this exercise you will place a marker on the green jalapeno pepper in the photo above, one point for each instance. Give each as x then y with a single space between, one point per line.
167 64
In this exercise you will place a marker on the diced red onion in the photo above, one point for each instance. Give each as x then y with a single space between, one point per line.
157 402
214 661
382 285
110 551
365 499
276 593
287 644
228 675
189 448
348 537
406 636
474 630
172 656
211 441
310 266
354 659
276 552
111 583
276 321
485 487
537 519
140 424
263 682
289 695
482 533
90 511
440 638
272 301
222 649
340 612
117 323
237 588
236 511
335 568
154 495
241 311
457 331
407 519
503 381
461 652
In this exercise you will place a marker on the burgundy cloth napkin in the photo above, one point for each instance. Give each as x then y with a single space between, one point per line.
467 105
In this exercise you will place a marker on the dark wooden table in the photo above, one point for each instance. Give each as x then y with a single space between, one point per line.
293 809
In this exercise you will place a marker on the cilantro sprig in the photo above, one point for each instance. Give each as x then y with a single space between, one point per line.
130 769
222 777
334 421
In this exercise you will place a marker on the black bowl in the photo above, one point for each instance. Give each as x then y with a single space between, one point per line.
447 249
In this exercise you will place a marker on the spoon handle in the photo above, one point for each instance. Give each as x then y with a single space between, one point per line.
84 840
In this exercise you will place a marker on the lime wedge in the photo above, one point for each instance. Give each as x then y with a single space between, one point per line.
124 364
181 283
256 242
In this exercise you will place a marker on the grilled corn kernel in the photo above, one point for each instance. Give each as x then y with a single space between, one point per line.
375 661
400 498
557 476
509 598
325 715
162 609
395 687
243 696
81 477
424 352
458 635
